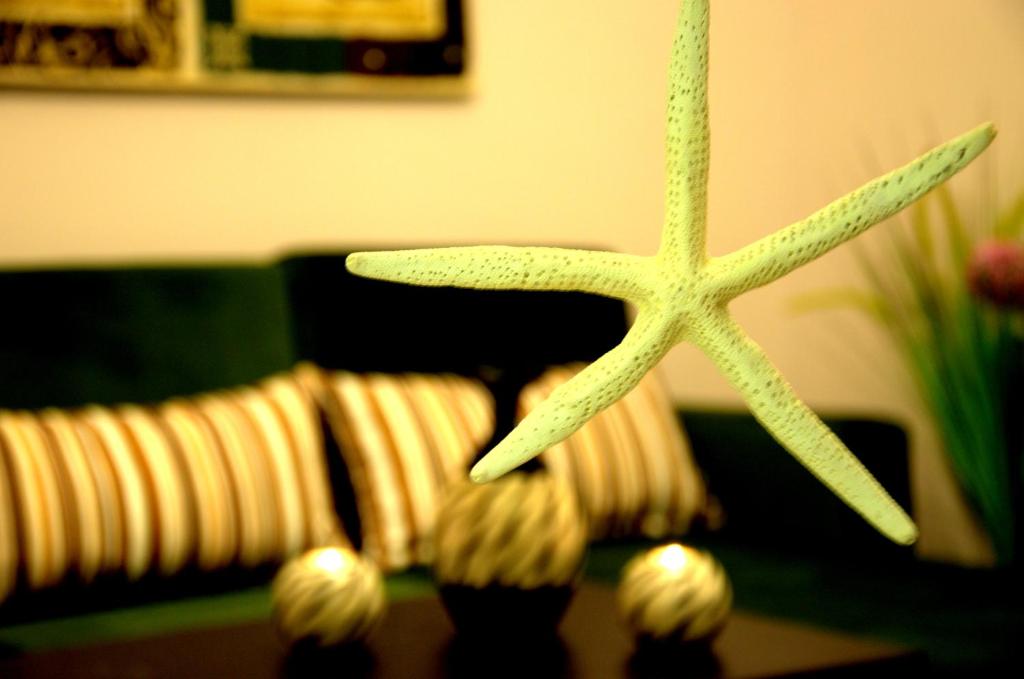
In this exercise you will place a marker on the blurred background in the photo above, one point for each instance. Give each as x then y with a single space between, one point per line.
559 140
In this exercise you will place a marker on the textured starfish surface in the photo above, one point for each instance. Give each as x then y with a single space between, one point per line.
681 293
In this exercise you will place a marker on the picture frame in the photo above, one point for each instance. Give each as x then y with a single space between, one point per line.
267 47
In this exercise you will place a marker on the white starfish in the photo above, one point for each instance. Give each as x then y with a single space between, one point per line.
682 294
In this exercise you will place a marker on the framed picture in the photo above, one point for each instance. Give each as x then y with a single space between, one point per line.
305 47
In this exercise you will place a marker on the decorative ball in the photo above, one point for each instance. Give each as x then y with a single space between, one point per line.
509 554
327 597
675 594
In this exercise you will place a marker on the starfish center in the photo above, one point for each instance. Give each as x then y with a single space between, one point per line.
684 298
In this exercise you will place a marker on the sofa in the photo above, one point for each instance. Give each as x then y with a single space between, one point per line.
145 333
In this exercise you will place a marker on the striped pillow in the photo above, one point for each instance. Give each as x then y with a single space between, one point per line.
631 464
404 438
228 478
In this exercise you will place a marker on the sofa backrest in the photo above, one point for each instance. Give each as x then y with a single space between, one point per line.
138 334
342 321
772 502
105 335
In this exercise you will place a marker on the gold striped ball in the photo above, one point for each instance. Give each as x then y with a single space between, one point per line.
522 530
674 593
327 597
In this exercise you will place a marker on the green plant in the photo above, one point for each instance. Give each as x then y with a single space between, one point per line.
950 295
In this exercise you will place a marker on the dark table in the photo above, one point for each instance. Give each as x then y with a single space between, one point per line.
417 640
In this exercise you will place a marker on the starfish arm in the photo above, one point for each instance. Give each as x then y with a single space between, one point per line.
787 249
510 268
573 403
775 405
688 140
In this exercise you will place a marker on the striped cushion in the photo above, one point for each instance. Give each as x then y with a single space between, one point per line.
233 477
404 439
631 464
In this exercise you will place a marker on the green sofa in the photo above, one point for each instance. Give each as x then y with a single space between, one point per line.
145 333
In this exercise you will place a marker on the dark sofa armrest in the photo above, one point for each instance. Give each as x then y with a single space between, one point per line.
770 500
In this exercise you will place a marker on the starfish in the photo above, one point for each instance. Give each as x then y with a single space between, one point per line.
681 294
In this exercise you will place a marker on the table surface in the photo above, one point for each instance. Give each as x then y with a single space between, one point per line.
417 640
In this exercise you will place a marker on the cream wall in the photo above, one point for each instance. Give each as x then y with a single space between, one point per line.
560 143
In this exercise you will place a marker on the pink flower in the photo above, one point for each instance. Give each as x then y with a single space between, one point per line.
996 272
